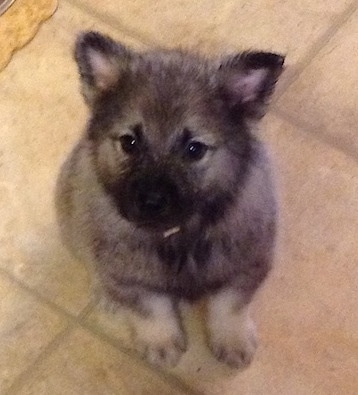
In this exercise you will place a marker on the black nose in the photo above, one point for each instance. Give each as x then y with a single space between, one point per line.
153 202
155 197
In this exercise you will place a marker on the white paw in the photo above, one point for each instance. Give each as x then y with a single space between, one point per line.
236 345
163 351
159 339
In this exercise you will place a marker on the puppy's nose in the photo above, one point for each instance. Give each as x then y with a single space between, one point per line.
153 201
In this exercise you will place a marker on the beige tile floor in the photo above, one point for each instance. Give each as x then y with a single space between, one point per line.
54 340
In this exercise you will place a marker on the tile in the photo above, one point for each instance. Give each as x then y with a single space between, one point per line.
37 258
26 328
319 248
41 115
216 26
319 189
324 97
306 311
85 365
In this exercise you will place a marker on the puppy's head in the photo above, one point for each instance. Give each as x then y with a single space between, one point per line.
170 131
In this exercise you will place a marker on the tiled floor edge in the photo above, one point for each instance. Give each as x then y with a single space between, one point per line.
80 321
45 301
48 350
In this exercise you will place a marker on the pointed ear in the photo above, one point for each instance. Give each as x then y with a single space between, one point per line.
101 62
247 81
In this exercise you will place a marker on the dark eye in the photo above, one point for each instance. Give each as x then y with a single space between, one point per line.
195 150
129 144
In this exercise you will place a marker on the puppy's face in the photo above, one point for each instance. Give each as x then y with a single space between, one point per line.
170 131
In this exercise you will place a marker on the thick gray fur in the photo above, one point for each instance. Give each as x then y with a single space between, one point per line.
227 235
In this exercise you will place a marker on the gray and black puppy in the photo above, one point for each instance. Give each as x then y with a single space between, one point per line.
169 195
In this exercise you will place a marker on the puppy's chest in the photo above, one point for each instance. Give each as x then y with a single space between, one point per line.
189 251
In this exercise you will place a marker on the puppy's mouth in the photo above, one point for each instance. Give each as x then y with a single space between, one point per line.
164 223
166 228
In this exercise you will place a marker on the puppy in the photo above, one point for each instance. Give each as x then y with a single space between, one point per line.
169 195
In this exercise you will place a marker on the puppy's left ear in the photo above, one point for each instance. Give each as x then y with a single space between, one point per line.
247 81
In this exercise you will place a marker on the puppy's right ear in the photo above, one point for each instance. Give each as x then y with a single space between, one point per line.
247 81
101 62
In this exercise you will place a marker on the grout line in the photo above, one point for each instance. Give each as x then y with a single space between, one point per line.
316 133
336 24
72 321
80 321
47 302
112 22
24 377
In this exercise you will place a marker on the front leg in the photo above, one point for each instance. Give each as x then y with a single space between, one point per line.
159 336
232 333
155 322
